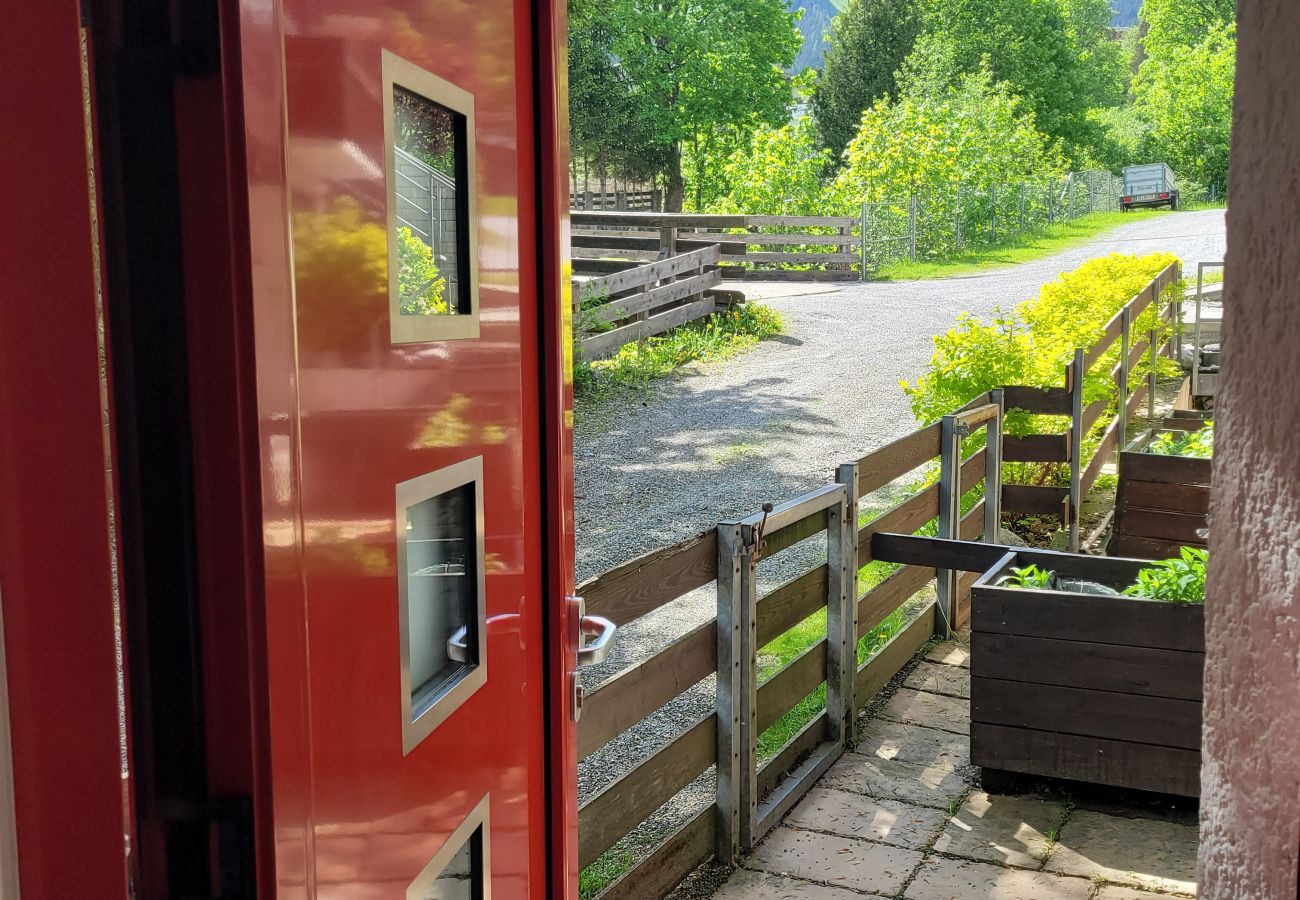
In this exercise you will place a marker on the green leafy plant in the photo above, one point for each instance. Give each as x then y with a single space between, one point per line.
1199 443
420 286
1180 581
1029 577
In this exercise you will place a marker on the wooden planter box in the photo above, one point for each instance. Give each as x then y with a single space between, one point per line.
1098 689
1161 502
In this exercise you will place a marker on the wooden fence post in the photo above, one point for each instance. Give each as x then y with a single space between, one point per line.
730 693
949 520
842 608
1076 376
1126 324
993 469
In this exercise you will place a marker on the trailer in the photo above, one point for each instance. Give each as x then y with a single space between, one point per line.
1151 184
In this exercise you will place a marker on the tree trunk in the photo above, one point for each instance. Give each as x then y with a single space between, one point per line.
674 184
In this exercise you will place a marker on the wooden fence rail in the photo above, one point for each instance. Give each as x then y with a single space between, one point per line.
786 248
626 306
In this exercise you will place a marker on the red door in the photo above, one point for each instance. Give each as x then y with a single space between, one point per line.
412 444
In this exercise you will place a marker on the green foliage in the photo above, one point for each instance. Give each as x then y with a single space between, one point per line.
1185 92
1182 23
692 68
1180 581
1054 54
779 171
1199 443
870 40
635 365
1033 345
1030 577
1121 136
421 288
974 131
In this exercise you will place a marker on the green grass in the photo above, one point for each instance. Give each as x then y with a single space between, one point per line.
1021 248
604 871
637 364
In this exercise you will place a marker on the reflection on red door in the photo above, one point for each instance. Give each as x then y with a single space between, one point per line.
346 415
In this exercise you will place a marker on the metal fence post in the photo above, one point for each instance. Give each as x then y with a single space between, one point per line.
993 470
1022 207
748 675
842 608
949 520
1077 373
911 228
958 218
730 694
862 243
1051 197
993 212
1126 322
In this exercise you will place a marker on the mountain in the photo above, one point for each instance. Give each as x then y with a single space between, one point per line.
1126 12
815 23
818 14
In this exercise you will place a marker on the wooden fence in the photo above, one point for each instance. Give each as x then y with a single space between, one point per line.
752 794
638 302
779 248
1068 401
648 199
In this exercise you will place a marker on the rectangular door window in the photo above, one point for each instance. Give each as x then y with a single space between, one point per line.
429 129
441 583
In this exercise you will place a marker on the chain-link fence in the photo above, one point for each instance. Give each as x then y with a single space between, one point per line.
934 226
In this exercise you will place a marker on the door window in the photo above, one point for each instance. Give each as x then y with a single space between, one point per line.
429 131
440 590
456 871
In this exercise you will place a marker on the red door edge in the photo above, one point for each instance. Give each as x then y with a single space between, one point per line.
550 31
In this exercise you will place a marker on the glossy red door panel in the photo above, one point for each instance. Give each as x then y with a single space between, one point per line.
346 415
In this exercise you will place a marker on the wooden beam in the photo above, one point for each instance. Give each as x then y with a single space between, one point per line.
629 591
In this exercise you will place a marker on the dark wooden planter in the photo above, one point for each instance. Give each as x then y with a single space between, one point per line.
1098 689
1161 502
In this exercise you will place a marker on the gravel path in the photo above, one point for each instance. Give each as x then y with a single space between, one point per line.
775 422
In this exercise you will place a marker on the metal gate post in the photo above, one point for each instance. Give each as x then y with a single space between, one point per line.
842 608
1126 322
993 470
862 243
731 695
1077 372
949 520
911 228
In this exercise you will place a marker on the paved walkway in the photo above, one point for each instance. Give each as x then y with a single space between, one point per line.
900 817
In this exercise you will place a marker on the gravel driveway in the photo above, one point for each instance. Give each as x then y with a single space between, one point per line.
774 422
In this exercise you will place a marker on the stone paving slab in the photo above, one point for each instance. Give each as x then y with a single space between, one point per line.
1129 851
936 786
1002 829
950 653
1111 892
938 678
929 710
854 815
952 879
749 885
887 739
837 861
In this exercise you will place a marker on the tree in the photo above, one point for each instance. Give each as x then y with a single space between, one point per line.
869 42
779 172
692 67
1182 23
1186 95
1042 49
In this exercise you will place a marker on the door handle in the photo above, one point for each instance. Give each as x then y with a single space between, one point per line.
602 630
457 649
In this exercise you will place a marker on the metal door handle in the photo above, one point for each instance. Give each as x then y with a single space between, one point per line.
602 630
457 649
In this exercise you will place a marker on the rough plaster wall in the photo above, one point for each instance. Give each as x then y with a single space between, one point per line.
1250 807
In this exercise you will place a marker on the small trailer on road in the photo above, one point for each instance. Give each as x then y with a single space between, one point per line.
1151 184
